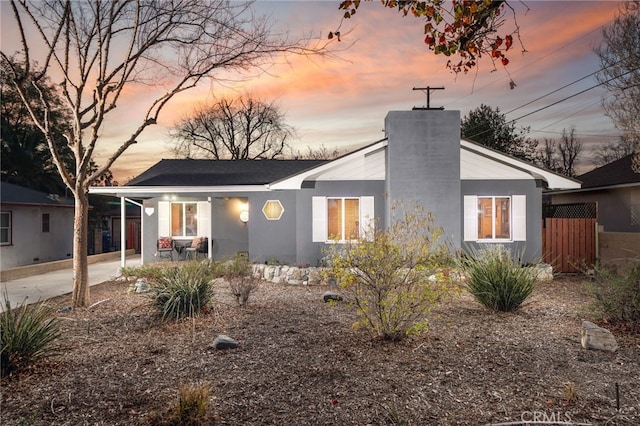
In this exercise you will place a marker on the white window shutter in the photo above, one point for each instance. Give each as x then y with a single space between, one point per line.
367 217
204 219
164 219
519 209
470 218
319 219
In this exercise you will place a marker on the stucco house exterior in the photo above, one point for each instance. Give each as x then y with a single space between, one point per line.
35 227
290 210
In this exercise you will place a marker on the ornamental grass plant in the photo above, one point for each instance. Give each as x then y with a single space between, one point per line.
26 334
184 291
496 277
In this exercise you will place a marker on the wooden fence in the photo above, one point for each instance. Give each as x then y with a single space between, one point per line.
568 244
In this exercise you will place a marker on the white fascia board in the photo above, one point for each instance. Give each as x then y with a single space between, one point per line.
295 181
554 180
595 188
133 191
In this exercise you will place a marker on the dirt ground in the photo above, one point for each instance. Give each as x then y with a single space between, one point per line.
300 363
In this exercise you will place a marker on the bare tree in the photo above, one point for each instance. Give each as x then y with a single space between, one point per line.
620 73
613 151
547 157
569 149
561 156
240 129
320 153
98 50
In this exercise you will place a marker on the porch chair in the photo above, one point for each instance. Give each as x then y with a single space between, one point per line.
165 246
198 245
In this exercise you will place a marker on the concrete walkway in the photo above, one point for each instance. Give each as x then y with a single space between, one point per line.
51 284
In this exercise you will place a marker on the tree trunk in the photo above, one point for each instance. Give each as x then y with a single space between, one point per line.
80 263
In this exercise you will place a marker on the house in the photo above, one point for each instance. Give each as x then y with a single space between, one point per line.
614 192
291 210
35 227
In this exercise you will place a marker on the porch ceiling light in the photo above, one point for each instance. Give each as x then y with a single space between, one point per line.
273 209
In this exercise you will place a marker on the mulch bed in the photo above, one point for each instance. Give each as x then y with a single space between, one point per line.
300 362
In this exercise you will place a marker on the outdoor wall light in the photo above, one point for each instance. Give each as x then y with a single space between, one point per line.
149 211
273 209
244 216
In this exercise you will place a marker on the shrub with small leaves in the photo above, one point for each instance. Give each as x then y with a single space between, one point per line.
395 276
184 291
617 293
237 272
496 277
26 334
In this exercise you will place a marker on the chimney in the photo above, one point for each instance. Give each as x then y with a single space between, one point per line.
423 165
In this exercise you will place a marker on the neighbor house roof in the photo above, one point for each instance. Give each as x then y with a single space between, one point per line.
19 195
221 172
616 173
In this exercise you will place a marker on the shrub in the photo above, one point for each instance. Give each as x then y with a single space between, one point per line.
183 291
496 277
617 294
390 276
26 334
151 272
237 272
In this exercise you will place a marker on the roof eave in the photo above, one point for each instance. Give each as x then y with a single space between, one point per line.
131 191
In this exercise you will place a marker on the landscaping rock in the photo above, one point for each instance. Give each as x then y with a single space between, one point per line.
223 342
142 286
594 337
331 296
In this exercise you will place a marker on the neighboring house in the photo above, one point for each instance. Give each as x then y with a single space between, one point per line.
292 210
35 227
615 190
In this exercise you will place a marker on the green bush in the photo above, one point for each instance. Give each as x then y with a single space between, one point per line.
392 277
617 294
26 334
497 278
184 291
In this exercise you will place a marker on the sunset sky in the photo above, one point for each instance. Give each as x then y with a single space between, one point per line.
341 102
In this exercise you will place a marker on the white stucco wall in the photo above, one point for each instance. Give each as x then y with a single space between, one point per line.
29 244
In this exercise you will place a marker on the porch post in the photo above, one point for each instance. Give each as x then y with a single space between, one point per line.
123 233
210 239
141 227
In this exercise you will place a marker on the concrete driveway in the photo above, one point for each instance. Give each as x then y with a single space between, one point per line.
51 284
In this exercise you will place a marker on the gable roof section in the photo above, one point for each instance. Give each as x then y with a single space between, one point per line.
616 173
366 163
476 158
213 173
19 195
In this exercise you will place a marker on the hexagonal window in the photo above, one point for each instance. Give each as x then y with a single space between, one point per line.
272 210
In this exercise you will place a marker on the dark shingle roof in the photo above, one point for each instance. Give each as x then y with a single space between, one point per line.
220 172
15 194
618 172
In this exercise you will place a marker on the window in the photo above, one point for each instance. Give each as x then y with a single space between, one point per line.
5 228
184 219
495 218
341 218
45 222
